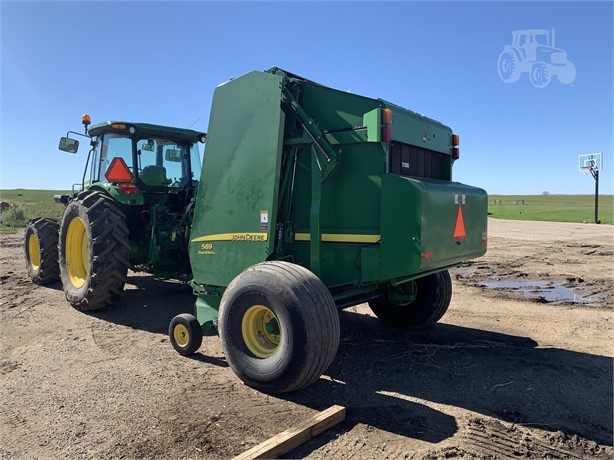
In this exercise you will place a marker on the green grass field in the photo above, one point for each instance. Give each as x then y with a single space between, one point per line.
26 204
553 208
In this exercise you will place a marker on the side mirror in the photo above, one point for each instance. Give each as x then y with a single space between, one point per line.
68 145
173 155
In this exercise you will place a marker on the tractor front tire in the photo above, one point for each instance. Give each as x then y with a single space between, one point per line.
278 326
41 249
93 251
185 334
540 75
433 295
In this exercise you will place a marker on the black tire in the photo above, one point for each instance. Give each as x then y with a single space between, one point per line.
508 68
540 75
433 295
302 309
41 249
185 334
94 252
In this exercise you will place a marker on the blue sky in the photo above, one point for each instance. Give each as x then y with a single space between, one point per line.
160 62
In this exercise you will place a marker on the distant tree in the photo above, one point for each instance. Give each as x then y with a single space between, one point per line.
546 193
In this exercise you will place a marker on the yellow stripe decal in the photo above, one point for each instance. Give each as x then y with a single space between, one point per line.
340 238
233 237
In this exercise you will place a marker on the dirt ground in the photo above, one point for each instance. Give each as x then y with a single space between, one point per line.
506 373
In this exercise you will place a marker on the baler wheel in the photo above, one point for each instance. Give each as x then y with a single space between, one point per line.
278 326
433 295
93 251
185 334
41 248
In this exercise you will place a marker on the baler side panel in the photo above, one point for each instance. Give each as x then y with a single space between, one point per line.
350 206
235 215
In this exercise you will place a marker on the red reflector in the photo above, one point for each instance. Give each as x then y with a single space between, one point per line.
386 134
427 255
118 171
459 228
128 189
484 244
455 153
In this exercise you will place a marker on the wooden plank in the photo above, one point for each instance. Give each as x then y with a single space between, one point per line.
295 436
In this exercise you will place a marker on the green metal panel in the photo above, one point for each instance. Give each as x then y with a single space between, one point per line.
373 122
236 207
419 220
412 128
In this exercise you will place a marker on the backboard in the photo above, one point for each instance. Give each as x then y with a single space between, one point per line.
588 162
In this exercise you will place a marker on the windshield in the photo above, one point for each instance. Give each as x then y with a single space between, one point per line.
113 146
160 162
163 162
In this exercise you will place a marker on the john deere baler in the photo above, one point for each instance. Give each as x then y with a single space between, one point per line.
313 199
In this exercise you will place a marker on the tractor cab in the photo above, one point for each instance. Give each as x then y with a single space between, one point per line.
151 172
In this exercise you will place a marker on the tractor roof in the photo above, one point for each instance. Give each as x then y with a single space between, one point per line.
531 32
145 130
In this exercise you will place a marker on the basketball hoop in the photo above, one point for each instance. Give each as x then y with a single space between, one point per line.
592 163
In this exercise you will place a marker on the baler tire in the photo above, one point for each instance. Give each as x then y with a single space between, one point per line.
94 263
185 334
307 335
433 295
41 250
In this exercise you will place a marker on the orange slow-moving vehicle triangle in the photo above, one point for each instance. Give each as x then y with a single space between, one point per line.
118 171
459 228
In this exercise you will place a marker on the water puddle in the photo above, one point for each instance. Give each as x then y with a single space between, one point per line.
550 292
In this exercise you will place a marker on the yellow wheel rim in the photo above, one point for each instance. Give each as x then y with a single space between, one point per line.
77 252
181 335
260 329
34 252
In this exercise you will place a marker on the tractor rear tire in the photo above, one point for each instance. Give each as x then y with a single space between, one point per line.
93 251
508 67
185 334
278 326
433 295
41 248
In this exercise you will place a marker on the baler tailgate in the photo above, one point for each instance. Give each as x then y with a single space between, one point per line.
430 224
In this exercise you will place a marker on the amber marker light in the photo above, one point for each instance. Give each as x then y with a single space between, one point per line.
118 126
455 149
387 116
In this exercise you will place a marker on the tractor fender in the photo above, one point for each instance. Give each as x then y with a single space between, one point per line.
520 53
113 191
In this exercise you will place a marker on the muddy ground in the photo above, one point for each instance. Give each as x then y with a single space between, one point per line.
506 373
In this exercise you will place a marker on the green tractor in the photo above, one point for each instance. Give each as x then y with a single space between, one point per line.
310 200
133 210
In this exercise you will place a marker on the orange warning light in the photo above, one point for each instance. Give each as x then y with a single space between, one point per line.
118 171
459 228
